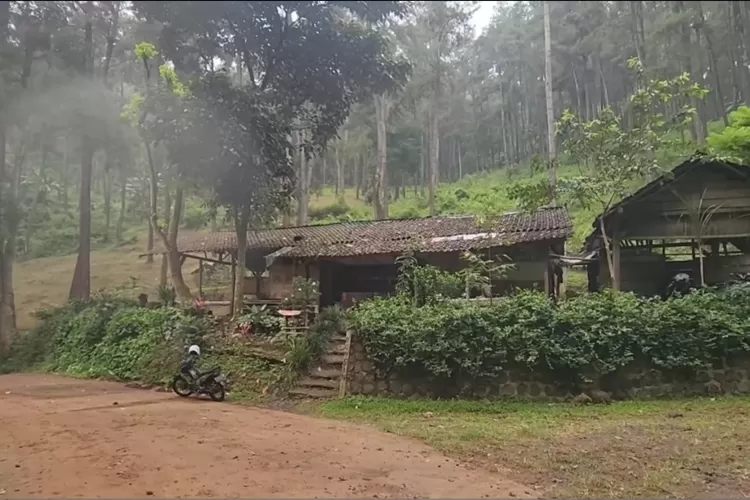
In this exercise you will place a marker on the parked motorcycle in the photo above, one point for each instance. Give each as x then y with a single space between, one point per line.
211 383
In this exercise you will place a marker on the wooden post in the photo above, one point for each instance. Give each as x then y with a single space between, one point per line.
200 278
564 276
234 286
616 261
345 365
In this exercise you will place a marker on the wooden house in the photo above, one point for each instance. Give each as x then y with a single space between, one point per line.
693 220
354 260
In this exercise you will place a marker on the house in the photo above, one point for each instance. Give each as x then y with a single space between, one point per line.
693 220
353 260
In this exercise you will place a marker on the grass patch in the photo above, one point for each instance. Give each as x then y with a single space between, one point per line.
674 448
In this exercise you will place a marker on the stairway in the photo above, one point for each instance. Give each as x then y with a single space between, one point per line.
324 379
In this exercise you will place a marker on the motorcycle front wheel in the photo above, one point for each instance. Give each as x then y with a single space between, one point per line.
181 387
216 392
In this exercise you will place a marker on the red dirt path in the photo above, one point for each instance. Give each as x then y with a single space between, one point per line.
64 437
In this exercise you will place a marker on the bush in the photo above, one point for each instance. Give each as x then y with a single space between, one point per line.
305 350
110 338
594 334
261 320
333 211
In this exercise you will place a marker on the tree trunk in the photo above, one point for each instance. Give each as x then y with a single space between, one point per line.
30 223
303 183
422 176
164 269
6 285
340 185
713 62
107 181
241 221
170 244
356 175
732 52
111 39
551 148
121 217
153 199
382 105
80 288
8 249
636 16
434 158
460 160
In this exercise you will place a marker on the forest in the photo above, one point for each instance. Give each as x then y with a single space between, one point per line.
126 122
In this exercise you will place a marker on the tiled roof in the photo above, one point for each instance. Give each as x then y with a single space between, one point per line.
433 234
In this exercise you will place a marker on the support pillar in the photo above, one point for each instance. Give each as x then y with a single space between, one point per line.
616 262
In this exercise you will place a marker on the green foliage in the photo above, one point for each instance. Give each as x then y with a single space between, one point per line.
582 336
479 271
262 320
167 295
305 350
734 140
422 284
109 337
145 51
613 156
304 293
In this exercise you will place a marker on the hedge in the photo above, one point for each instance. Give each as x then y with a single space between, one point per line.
599 333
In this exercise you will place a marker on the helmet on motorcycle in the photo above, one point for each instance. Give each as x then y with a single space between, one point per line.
194 349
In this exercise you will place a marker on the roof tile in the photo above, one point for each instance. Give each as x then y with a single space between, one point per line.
432 234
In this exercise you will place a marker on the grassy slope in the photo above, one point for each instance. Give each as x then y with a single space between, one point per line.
632 449
45 282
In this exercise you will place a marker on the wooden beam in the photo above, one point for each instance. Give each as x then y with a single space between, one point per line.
687 237
205 259
616 261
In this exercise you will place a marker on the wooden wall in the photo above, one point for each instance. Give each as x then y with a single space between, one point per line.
666 213
530 262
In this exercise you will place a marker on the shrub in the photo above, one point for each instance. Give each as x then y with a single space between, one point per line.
262 321
587 335
334 211
108 337
305 350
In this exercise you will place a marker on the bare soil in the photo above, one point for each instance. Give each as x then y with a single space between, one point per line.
65 437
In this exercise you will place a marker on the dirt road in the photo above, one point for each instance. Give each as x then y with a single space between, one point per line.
62 437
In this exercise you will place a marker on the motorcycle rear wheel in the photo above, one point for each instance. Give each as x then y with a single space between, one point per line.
216 392
181 387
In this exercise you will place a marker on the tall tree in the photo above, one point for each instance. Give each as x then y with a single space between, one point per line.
550 103
309 68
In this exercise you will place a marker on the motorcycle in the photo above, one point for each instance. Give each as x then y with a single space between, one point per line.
211 383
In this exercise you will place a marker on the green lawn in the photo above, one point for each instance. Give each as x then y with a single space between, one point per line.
679 448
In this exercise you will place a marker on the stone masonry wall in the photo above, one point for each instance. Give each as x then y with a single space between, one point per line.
638 382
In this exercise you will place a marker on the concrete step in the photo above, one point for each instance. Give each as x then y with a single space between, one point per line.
336 349
332 359
325 373
320 383
306 392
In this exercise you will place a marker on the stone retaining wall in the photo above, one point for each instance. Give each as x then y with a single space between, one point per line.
638 382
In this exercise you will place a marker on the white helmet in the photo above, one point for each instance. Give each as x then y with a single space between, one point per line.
194 349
